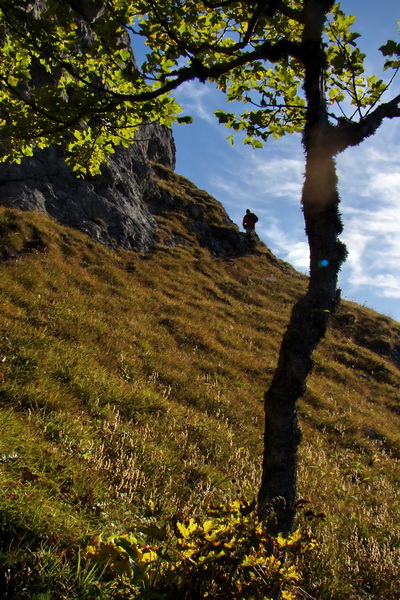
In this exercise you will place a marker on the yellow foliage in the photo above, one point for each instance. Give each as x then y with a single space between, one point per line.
186 531
228 555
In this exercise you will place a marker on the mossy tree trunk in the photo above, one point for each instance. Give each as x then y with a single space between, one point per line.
310 315
307 326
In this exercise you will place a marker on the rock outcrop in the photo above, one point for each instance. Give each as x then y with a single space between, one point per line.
113 208
118 207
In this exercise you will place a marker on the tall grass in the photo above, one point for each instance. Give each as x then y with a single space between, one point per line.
131 388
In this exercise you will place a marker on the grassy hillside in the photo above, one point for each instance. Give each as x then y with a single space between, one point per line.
131 389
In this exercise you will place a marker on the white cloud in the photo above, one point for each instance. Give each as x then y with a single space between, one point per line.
264 175
283 245
370 190
356 242
299 256
194 99
385 285
229 186
276 177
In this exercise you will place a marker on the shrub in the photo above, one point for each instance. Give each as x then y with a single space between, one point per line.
226 555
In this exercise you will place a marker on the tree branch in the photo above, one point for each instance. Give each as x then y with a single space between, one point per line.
197 70
272 6
267 51
348 134
292 13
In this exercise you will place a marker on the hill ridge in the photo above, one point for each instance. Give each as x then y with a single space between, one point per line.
131 388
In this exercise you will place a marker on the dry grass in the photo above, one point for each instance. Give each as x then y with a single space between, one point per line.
131 387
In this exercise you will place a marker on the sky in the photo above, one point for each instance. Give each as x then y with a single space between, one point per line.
269 180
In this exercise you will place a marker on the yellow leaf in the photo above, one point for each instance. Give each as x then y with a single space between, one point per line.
186 531
208 525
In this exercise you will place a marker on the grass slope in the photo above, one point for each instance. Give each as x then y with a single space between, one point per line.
131 387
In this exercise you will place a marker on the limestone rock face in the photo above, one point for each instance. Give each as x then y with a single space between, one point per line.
113 208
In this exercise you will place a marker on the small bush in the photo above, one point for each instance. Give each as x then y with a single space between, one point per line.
226 555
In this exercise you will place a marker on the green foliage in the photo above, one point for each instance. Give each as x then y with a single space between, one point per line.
392 50
48 574
68 78
226 554
274 89
59 70
346 78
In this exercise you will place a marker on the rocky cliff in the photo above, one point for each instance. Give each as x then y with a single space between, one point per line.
112 208
118 207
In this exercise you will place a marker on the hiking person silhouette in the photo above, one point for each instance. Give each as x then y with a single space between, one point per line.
249 222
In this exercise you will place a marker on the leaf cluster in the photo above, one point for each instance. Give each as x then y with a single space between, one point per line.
227 554
68 78
72 83
391 50
346 79
259 58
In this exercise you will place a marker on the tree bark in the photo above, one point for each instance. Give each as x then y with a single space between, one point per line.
310 315
307 326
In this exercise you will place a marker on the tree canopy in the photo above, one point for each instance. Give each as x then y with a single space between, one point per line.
67 76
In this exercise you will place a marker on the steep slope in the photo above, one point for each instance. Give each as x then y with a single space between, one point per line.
131 388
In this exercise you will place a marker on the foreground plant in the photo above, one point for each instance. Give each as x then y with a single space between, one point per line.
226 555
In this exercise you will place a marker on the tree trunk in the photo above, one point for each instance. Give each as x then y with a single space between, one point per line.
307 326
310 315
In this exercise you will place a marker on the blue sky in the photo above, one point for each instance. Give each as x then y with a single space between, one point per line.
269 180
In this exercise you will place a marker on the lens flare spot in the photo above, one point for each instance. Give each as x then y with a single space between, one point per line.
323 263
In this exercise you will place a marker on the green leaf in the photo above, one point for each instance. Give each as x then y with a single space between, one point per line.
390 48
184 120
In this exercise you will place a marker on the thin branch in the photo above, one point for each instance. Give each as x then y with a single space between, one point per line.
305 595
261 9
272 5
266 51
47 114
218 4
273 105
292 13
383 91
196 70
61 63
353 92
